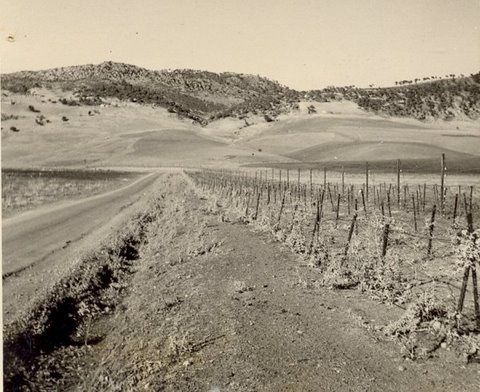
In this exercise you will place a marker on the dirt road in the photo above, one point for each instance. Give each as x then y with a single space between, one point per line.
213 305
36 243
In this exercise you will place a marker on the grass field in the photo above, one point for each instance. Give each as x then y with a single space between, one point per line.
469 165
27 189
125 134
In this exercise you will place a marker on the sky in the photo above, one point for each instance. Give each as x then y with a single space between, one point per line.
305 44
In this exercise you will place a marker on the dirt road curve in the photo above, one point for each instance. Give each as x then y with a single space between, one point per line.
48 235
33 236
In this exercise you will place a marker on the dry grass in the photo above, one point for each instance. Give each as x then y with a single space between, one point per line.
27 189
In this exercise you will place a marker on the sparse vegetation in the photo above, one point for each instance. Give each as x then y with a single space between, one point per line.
41 120
25 189
439 99
32 109
6 117
188 93
384 240
196 94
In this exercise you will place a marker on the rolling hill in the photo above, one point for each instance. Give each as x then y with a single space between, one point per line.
199 95
445 99
119 115
206 96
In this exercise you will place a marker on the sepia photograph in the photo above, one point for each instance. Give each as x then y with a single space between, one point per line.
240 195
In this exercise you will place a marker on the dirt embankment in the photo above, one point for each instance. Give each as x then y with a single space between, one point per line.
41 246
192 299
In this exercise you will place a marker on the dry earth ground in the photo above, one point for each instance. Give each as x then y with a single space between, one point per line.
123 134
213 305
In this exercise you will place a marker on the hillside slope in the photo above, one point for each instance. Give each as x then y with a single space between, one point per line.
199 95
445 99
204 96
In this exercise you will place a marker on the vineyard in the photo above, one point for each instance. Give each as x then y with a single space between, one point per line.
411 245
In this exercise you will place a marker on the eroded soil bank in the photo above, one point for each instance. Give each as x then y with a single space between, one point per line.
189 298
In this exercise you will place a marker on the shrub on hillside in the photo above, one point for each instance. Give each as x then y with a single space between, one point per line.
32 109
6 117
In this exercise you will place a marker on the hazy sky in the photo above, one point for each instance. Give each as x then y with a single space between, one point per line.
301 43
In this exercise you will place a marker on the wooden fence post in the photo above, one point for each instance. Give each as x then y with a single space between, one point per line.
338 210
398 182
442 184
350 233
388 204
363 202
455 206
281 209
414 213
311 186
469 266
386 231
432 225
315 226
366 180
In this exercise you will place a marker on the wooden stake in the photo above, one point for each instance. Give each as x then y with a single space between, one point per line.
455 206
366 179
350 234
414 213
281 209
442 184
432 225
338 210
363 202
256 207
398 181
463 290
386 230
